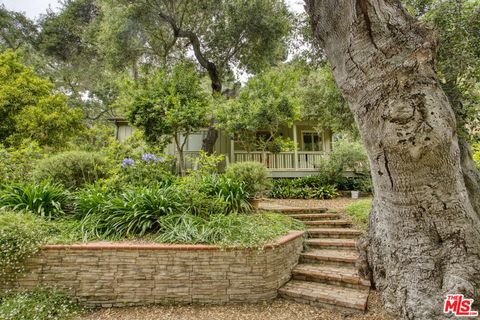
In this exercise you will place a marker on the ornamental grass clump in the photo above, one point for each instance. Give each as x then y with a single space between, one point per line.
226 230
46 199
131 213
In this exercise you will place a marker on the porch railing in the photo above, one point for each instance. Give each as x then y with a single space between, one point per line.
306 160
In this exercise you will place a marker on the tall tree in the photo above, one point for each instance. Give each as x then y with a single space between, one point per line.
30 109
223 36
424 228
16 30
169 106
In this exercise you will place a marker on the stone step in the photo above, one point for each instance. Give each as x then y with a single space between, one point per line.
289 211
345 276
329 223
331 243
314 216
333 233
329 256
325 295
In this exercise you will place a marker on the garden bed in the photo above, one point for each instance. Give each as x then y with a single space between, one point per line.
125 274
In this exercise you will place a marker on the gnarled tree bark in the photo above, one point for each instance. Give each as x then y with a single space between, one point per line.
424 228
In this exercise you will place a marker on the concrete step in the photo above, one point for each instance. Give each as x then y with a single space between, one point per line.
345 276
329 256
331 243
333 233
314 216
325 295
339 223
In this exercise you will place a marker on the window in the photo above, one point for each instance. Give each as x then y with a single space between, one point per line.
312 141
195 141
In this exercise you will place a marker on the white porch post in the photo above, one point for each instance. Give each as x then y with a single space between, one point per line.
232 151
295 151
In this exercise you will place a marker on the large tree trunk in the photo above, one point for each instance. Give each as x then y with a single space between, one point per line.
424 233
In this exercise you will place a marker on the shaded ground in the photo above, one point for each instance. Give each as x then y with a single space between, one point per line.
279 309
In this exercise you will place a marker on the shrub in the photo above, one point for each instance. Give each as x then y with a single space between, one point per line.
324 192
146 170
302 188
359 211
232 192
134 212
21 234
17 164
46 199
345 157
72 169
254 175
207 164
41 304
234 229
476 154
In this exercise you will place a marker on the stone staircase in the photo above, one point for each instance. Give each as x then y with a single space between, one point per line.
326 274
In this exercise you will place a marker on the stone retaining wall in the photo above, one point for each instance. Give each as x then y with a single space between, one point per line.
108 274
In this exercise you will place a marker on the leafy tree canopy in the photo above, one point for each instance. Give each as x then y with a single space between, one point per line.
30 109
267 102
166 104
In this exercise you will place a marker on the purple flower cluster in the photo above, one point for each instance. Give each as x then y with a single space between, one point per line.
127 162
147 157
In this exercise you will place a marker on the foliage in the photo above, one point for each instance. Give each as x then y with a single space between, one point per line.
17 164
29 109
267 102
345 157
233 229
46 199
476 154
254 175
133 212
207 163
312 187
230 191
20 237
17 29
72 169
359 211
457 60
250 35
40 304
169 106
322 102
148 169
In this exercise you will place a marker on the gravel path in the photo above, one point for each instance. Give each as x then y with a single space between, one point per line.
277 310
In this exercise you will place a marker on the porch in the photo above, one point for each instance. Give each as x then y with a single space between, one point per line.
283 164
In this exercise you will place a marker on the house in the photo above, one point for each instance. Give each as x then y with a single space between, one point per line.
311 147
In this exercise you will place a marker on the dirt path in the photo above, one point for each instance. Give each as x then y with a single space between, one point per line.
277 310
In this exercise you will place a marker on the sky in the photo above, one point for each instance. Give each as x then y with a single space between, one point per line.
33 8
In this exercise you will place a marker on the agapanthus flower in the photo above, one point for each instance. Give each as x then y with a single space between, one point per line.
127 162
147 157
